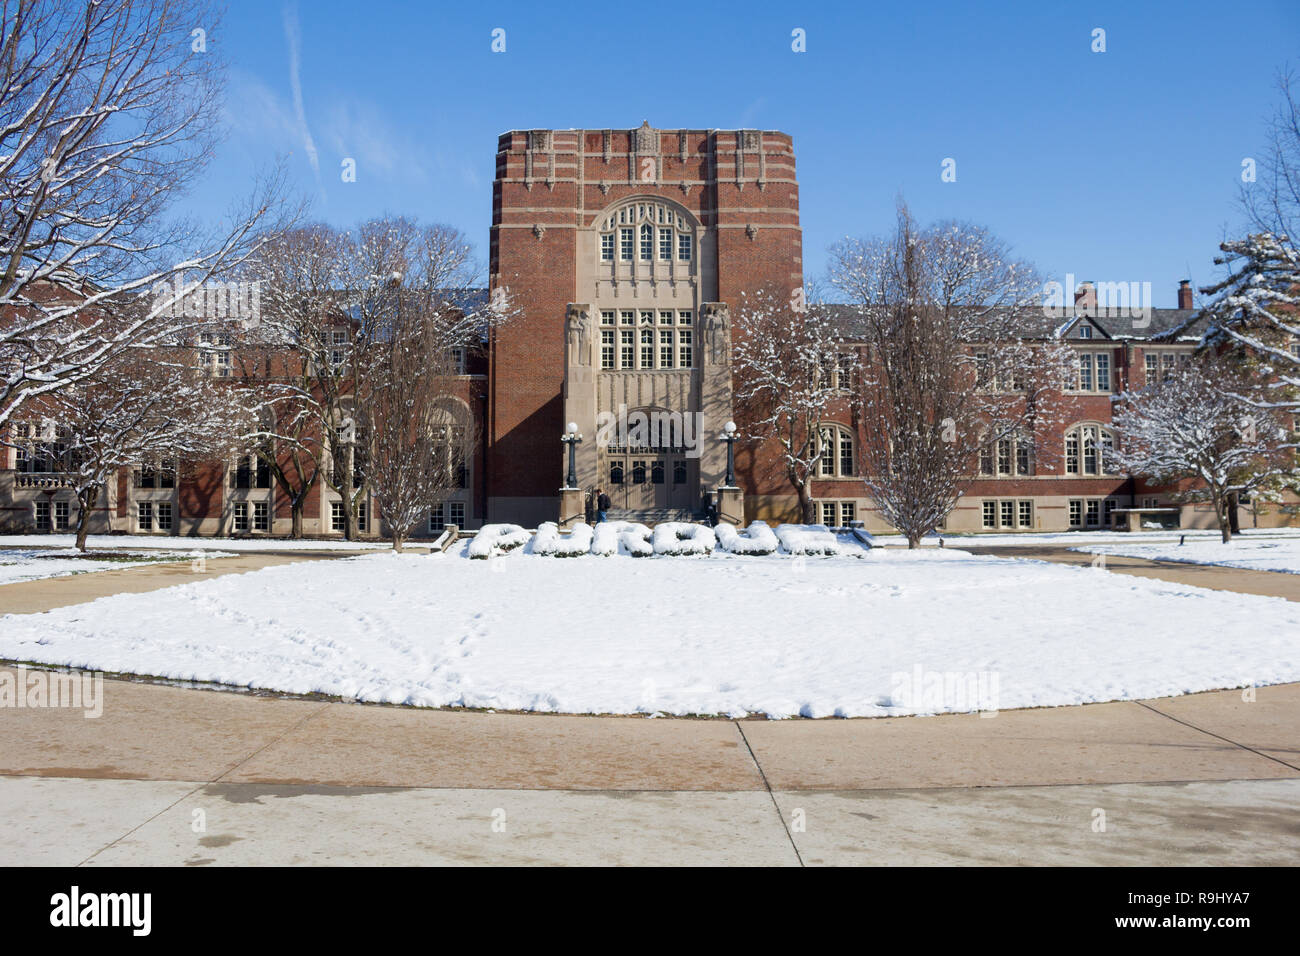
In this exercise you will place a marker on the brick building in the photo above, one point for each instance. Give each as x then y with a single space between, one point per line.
626 253
626 249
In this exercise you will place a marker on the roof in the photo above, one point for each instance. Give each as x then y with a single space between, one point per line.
1045 323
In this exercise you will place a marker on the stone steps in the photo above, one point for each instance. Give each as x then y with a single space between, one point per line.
654 516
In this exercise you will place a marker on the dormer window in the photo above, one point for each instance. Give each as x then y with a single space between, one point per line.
1085 331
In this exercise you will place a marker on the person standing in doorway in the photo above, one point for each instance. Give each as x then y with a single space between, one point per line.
602 505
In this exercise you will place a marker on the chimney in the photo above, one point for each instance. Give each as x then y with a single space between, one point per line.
1085 298
1185 294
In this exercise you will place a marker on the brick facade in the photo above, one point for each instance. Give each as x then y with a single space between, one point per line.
722 209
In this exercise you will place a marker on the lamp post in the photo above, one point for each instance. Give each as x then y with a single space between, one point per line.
729 436
572 438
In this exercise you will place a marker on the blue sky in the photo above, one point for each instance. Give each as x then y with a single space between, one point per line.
1114 166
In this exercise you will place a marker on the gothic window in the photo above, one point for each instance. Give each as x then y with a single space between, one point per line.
837 459
646 232
1087 450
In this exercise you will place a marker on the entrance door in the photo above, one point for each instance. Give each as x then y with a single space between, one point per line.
646 481
630 486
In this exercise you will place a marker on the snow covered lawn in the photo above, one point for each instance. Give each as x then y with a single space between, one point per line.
1253 553
30 564
867 635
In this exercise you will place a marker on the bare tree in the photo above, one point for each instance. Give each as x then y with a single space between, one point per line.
298 354
142 410
1196 426
333 303
792 365
108 111
952 368
399 269
421 439
1272 201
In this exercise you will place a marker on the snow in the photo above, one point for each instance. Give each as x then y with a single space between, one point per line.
1255 554
722 634
494 539
33 564
608 537
807 539
635 541
756 539
680 537
117 542
549 540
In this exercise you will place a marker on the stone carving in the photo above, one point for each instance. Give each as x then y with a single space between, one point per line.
752 139
751 230
647 140
717 332
578 333
539 139
539 230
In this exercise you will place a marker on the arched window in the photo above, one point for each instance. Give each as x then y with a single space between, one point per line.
838 460
1088 449
1012 455
647 230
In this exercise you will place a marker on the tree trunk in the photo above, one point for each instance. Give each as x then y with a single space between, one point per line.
807 507
913 540
350 513
397 542
298 503
1234 520
85 504
1221 513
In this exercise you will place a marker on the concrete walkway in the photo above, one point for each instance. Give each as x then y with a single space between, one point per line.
179 776
1242 580
45 594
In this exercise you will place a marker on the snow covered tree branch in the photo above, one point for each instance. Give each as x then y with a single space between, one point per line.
1256 310
108 111
144 409
1196 428
792 365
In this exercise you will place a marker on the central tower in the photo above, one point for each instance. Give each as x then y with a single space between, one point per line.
624 253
